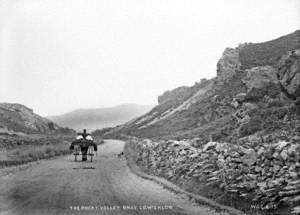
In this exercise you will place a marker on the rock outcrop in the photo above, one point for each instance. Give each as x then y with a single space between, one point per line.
289 72
259 77
228 65
239 132
256 90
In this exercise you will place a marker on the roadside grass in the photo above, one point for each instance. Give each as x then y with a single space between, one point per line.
21 150
29 153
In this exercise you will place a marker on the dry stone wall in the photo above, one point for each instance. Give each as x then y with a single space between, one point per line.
268 175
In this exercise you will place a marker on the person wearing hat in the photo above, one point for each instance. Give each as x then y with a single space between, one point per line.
84 140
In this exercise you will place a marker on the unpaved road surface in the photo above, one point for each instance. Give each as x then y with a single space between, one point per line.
106 186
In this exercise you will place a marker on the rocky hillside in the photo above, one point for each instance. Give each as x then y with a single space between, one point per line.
21 119
92 119
256 93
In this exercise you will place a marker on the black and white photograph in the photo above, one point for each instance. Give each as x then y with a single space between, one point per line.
150 107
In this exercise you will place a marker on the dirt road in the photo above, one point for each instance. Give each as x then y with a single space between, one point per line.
106 186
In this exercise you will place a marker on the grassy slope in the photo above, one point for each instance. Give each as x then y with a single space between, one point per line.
268 53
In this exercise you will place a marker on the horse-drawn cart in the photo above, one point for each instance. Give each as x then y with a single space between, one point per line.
84 146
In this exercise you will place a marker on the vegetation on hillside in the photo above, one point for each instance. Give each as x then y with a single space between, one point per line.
268 53
259 100
19 149
29 153
249 114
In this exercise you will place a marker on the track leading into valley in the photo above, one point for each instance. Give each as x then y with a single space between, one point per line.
106 186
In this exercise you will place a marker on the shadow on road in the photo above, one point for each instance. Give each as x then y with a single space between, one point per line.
85 167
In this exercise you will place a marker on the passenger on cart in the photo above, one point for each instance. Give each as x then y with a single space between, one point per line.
87 146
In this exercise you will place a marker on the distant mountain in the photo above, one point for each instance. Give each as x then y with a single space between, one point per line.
256 94
98 118
19 118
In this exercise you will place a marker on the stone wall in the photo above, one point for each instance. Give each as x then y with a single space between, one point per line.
266 174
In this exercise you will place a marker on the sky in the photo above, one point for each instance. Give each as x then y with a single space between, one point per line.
60 55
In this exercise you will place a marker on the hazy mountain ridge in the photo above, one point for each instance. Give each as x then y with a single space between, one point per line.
92 119
256 90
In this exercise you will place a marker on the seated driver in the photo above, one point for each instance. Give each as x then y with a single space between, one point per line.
84 140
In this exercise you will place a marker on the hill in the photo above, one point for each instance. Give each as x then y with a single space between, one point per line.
19 118
254 95
92 119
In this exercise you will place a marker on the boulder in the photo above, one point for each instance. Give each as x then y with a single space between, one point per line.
289 72
249 158
259 77
209 145
240 97
281 144
260 151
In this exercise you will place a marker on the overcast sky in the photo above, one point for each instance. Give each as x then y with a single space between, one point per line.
59 55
